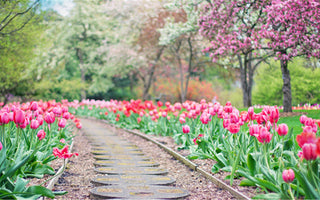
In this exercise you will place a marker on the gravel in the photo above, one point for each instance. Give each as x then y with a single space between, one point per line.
76 179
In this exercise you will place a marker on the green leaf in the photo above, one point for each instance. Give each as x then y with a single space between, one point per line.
251 162
247 182
20 184
308 188
268 185
288 145
40 190
60 192
270 196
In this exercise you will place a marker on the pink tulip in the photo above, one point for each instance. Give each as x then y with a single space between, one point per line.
49 118
18 116
264 135
1 146
41 134
282 129
303 118
66 115
62 122
186 129
288 175
234 128
309 151
34 106
254 130
4 118
34 124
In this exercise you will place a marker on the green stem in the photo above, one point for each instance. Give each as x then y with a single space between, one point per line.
63 168
265 147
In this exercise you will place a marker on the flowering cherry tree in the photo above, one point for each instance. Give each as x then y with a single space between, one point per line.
243 28
292 29
232 27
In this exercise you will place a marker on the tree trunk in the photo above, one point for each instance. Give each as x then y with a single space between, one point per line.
286 89
246 80
83 73
147 83
189 67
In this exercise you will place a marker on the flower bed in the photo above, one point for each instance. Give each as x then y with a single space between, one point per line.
33 134
245 144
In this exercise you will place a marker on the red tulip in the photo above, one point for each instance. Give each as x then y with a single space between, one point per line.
1 146
288 175
264 135
306 137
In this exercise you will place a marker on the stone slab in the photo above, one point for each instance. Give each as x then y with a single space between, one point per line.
116 151
121 157
138 192
122 163
132 179
131 170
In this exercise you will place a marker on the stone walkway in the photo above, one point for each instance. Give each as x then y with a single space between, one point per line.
124 171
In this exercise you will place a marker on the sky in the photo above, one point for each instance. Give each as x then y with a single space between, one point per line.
63 7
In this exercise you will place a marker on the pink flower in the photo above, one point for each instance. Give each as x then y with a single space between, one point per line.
234 128
34 124
288 175
66 115
4 118
303 118
63 141
18 116
186 129
138 120
282 129
182 120
264 135
49 117
254 130
1 146
309 151
41 134
306 137
34 106
62 122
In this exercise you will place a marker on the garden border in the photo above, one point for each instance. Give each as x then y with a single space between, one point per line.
185 161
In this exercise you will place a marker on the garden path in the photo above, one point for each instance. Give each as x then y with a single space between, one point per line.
126 172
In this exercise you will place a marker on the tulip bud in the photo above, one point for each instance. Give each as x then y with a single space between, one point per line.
282 129
288 175
309 151
185 129
41 134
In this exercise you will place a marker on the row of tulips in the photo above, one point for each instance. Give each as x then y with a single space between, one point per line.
31 136
245 144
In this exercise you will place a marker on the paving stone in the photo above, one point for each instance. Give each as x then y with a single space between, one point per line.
122 163
131 170
138 192
121 157
132 179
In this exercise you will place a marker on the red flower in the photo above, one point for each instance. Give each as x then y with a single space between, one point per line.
234 128
63 153
34 106
62 122
264 135
306 137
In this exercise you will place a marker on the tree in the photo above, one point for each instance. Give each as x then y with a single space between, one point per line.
292 29
20 26
183 41
231 27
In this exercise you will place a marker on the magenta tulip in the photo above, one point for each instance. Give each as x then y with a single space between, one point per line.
288 175
282 129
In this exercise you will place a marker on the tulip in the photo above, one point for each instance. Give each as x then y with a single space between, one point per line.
41 134
34 124
264 135
49 117
254 130
1 146
4 118
186 129
34 106
62 122
303 118
234 128
63 153
288 175
309 151
66 115
18 116
306 137
282 129
138 120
